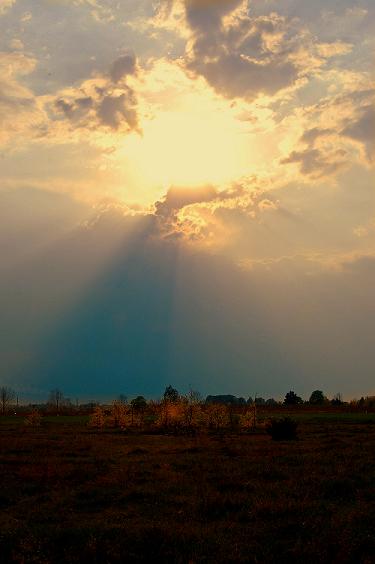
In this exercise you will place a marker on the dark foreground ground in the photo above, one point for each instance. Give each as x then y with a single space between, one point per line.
71 494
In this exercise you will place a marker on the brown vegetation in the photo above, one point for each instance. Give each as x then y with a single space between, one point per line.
72 493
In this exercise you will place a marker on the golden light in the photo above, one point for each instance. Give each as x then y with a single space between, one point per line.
188 148
190 137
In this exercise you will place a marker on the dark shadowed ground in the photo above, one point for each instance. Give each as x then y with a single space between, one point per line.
71 494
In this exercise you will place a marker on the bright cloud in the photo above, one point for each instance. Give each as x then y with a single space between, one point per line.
5 5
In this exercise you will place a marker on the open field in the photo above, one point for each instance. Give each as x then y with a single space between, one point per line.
73 494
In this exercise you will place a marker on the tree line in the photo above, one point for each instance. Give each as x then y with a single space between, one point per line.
58 403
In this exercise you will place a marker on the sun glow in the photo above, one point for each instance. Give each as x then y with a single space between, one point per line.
186 148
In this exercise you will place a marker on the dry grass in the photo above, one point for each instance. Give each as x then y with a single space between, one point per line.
70 494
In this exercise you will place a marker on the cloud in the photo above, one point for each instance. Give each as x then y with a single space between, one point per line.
123 66
242 56
333 49
362 129
349 21
316 164
360 264
5 5
239 58
170 223
16 44
89 109
311 135
334 129
176 216
100 10
169 15
210 216
19 108
113 110
107 102
178 197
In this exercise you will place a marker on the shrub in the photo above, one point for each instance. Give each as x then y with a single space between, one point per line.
34 418
169 415
119 416
217 416
284 429
248 420
97 419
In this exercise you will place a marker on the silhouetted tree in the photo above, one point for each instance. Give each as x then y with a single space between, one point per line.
7 395
271 401
139 403
337 400
137 406
56 398
317 398
291 398
171 394
260 401
226 399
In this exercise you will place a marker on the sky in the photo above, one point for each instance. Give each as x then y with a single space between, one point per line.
187 197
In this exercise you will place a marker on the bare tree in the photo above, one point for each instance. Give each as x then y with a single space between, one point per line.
7 395
56 398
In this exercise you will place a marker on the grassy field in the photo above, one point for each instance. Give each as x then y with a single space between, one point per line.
71 494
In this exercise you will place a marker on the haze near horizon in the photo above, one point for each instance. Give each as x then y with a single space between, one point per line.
187 197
